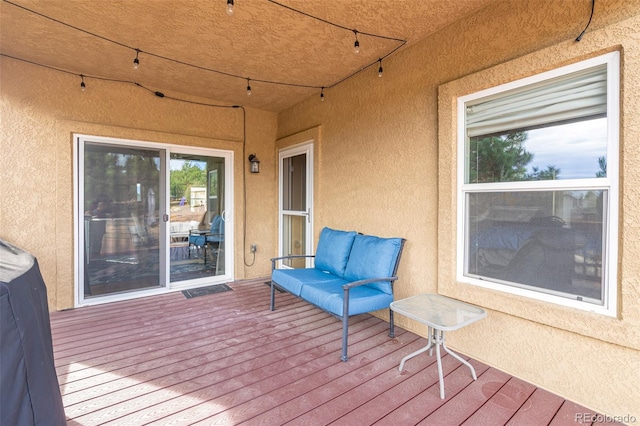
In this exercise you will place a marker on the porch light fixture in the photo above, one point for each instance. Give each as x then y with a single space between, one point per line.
230 7
248 87
254 164
380 69
82 85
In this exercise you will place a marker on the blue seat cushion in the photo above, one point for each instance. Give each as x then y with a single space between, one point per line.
292 280
333 250
373 257
330 296
197 240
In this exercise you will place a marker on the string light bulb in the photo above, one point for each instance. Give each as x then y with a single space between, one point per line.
82 85
230 7
136 61
356 45
322 94
380 68
248 87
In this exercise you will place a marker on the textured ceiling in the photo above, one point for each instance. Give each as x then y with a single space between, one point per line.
261 41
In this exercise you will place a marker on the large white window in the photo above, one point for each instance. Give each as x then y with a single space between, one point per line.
538 186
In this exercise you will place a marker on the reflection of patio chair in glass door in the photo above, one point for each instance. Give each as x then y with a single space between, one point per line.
212 239
139 233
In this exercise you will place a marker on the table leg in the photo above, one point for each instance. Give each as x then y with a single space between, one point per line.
419 351
432 338
439 341
456 356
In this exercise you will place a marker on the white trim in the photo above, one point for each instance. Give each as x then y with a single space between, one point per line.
610 183
78 164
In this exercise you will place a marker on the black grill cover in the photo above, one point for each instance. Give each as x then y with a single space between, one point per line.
29 389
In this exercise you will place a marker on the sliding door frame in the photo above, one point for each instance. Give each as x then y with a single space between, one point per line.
79 141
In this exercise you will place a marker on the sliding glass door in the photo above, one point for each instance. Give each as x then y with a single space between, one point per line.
121 199
150 218
197 216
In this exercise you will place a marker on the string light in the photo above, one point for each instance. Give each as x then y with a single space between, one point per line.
322 94
356 45
380 68
248 87
136 61
593 6
230 4
82 85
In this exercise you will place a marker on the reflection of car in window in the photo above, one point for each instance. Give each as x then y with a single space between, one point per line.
539 253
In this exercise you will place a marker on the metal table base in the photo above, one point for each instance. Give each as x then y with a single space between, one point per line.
440 314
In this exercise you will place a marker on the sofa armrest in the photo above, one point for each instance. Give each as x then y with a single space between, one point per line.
294 256
367 281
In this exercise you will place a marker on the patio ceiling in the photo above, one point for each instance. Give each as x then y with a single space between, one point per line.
264 40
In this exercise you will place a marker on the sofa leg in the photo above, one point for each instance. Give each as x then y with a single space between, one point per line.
392 331
273 297
345 337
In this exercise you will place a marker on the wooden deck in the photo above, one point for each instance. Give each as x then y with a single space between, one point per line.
225 359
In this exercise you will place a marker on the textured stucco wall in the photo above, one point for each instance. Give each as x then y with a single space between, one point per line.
40 109
384 167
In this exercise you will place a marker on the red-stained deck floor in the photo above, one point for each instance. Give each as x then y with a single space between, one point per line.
226 359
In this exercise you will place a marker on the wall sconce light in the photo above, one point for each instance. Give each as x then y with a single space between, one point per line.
254 164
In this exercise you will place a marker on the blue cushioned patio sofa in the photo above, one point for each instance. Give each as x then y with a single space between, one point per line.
352 274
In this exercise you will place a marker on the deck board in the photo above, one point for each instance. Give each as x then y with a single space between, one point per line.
539 408
226 359
503 405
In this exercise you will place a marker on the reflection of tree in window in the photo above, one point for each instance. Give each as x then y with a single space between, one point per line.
602 163
189 175
504 159
499 158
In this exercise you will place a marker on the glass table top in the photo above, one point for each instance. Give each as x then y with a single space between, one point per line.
439 312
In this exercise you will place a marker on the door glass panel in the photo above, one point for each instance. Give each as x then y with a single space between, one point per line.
295 231
294 194
294 207
197 219
121 202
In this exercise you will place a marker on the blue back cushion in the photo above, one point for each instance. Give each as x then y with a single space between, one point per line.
373 257
217 230
333 250
215 224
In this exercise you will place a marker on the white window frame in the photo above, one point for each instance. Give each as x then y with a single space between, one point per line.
610 183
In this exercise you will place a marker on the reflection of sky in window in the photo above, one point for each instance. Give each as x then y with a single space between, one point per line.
176 164
573 148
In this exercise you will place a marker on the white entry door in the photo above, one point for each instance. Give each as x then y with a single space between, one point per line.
296 204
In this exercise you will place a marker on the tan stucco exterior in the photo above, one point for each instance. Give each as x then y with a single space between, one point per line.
41 110
387 166
384 161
